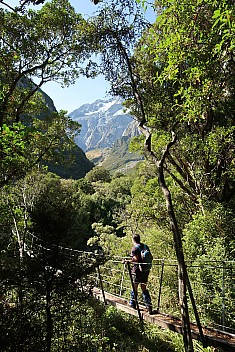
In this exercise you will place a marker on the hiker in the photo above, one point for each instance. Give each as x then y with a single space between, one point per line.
140 272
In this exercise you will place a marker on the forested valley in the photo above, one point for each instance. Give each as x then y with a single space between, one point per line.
176 76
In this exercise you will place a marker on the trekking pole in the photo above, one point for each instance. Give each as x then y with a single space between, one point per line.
135 293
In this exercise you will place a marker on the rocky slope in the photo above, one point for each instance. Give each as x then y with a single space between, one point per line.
103 123
105 134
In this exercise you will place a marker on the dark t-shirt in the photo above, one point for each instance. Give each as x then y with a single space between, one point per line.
136 251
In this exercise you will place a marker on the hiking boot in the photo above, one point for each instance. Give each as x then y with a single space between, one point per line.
147 301
132 302
132 305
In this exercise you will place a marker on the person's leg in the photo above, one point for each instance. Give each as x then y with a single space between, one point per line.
146 295
134 296
134 292
143 286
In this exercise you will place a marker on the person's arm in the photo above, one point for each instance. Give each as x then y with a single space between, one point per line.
134 256
134 259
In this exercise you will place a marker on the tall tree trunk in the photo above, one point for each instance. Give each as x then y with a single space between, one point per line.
182 273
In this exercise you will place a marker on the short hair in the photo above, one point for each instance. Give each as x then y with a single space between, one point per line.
136 238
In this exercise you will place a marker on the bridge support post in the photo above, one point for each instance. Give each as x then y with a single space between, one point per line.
160 286
101 284
195 311
223 296
123 272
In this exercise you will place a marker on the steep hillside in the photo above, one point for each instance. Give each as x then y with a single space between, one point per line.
76 170
81 164
117 158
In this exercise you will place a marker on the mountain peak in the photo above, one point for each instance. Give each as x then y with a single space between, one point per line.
103 122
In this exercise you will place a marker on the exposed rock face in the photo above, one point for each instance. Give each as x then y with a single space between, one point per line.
103 122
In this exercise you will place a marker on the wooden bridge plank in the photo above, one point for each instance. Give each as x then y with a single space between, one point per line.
215 338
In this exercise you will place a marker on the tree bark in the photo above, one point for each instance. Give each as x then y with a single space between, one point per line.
179 253
182 271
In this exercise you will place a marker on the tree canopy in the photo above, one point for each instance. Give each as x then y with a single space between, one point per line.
55 36
176 76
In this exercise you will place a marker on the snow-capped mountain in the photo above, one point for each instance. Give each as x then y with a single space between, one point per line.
103 122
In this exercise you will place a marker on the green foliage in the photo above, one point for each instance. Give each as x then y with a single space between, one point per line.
98 173
56 38
41 221
57 27
86 186
45 139
14 142
208 234
186 84
182 69
119 189
53 212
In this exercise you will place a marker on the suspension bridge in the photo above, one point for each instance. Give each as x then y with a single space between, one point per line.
213 289
212 284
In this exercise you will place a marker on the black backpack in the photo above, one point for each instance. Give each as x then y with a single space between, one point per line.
146 257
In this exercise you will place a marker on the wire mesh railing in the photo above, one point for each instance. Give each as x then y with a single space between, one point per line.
212 283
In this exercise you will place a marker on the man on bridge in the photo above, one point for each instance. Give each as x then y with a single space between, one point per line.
142 262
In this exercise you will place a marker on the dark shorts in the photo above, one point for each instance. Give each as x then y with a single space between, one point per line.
140 277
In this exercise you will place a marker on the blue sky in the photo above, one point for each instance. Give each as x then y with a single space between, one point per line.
84 90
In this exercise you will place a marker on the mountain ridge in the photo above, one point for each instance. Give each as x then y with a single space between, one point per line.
106 132
103 122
